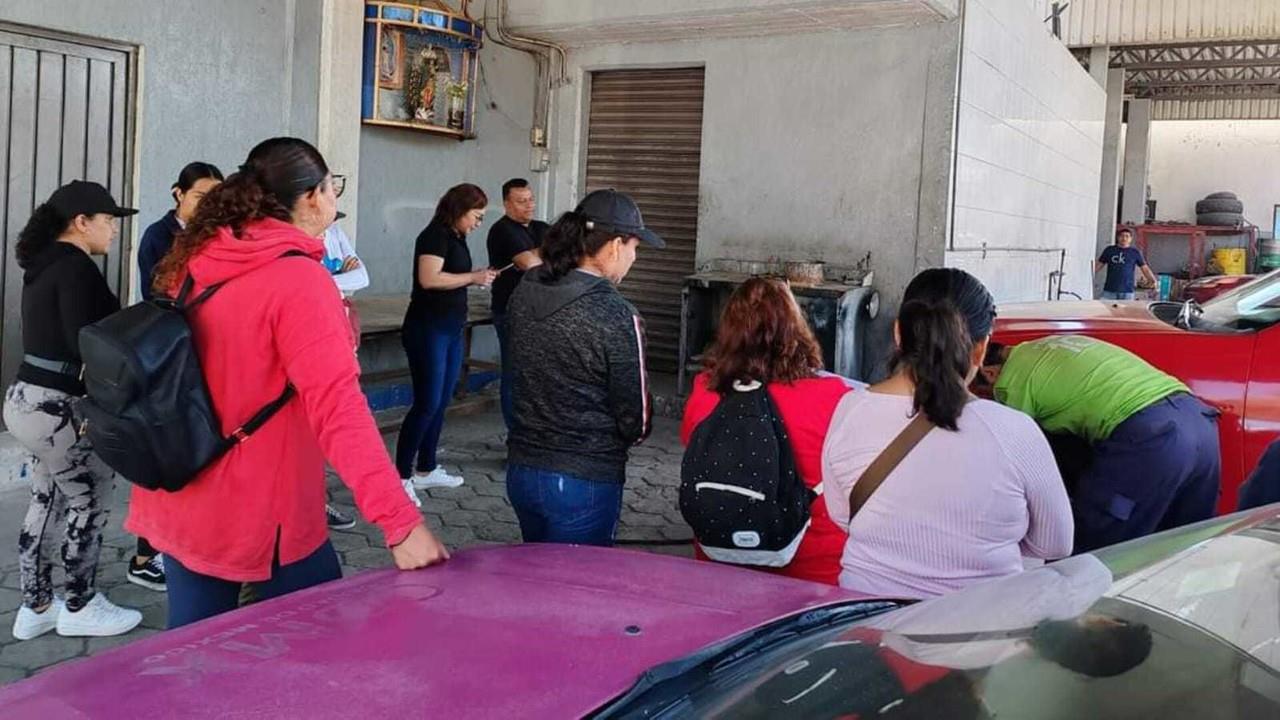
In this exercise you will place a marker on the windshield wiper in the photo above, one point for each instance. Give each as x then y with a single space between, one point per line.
662 686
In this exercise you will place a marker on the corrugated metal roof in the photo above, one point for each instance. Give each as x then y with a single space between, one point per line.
1268 109
1130 22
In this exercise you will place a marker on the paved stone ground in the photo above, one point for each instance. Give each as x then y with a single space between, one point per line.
477 513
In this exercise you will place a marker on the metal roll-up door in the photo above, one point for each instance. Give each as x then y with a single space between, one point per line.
644 138
66 114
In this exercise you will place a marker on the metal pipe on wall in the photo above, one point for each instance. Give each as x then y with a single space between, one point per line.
544 54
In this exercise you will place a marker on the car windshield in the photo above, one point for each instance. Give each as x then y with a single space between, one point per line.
1185 624
1253 305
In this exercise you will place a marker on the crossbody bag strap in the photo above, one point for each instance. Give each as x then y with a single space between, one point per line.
887 461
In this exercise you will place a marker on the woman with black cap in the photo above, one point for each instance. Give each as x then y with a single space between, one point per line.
62 291
581 394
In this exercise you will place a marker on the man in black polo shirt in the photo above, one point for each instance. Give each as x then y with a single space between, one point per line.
513 248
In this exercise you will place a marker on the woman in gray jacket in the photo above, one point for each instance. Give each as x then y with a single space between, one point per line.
580 390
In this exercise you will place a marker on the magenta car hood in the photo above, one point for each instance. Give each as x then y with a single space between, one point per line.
533 631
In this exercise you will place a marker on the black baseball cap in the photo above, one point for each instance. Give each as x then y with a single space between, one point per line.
81 197
616 212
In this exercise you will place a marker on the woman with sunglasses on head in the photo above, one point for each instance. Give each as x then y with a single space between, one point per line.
256 515
62 291
432 331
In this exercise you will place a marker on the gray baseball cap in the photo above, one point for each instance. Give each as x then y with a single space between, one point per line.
617 212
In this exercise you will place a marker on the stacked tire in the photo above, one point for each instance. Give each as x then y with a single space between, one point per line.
1221 209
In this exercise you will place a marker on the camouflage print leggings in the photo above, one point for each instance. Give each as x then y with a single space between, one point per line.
66 476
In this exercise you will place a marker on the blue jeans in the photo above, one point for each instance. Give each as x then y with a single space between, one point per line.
1108 295
194 597
504 387
556 508
1159 469
435 361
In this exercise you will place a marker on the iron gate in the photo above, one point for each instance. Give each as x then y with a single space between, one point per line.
66 113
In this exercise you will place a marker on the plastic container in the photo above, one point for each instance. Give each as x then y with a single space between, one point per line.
1230 261
1268 254
1166 284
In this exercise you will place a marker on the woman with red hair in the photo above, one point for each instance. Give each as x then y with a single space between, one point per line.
763 337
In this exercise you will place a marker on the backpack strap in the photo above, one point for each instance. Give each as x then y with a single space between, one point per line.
188 284
887 461
269 410
260 418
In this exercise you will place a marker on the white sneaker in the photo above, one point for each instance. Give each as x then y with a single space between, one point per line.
437 478
408 490
100 618
31 624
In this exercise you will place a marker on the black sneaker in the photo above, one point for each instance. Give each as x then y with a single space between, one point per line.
149 574
336 520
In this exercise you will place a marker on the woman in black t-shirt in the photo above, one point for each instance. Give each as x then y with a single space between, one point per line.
432 331
62 291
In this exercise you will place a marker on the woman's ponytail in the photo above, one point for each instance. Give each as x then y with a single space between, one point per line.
936 350
277 172
569 242
945 313
43 227
235 203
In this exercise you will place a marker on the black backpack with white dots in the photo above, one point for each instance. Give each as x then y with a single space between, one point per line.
739 489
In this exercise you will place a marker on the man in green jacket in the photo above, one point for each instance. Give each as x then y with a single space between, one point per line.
1156 461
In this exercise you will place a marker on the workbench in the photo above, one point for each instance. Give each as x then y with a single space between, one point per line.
1196 238
382 315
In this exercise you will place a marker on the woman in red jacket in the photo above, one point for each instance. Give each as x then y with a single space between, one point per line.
257 514
763 337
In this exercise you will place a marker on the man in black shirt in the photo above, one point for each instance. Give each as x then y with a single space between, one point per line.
513 248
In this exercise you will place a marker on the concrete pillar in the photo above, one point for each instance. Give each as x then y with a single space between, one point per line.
1110 176
1137 161
338 116
1099 62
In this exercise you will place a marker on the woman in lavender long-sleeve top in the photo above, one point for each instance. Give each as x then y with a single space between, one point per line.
980 493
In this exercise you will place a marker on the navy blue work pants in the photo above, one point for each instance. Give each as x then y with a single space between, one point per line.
1158 470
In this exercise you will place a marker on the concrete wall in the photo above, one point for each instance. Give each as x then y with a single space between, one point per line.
1028 155
216 77
405 172
815 147
1194 158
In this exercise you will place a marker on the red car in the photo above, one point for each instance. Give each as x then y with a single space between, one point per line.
1227 351
1208 288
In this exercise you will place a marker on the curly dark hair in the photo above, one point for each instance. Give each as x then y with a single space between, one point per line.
762 337
276 173
43 227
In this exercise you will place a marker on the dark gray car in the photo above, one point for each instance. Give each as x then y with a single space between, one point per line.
1183 624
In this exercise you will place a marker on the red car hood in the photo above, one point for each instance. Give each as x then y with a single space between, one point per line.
533 631
1079 317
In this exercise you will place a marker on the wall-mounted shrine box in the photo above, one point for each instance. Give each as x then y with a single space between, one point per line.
420 68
